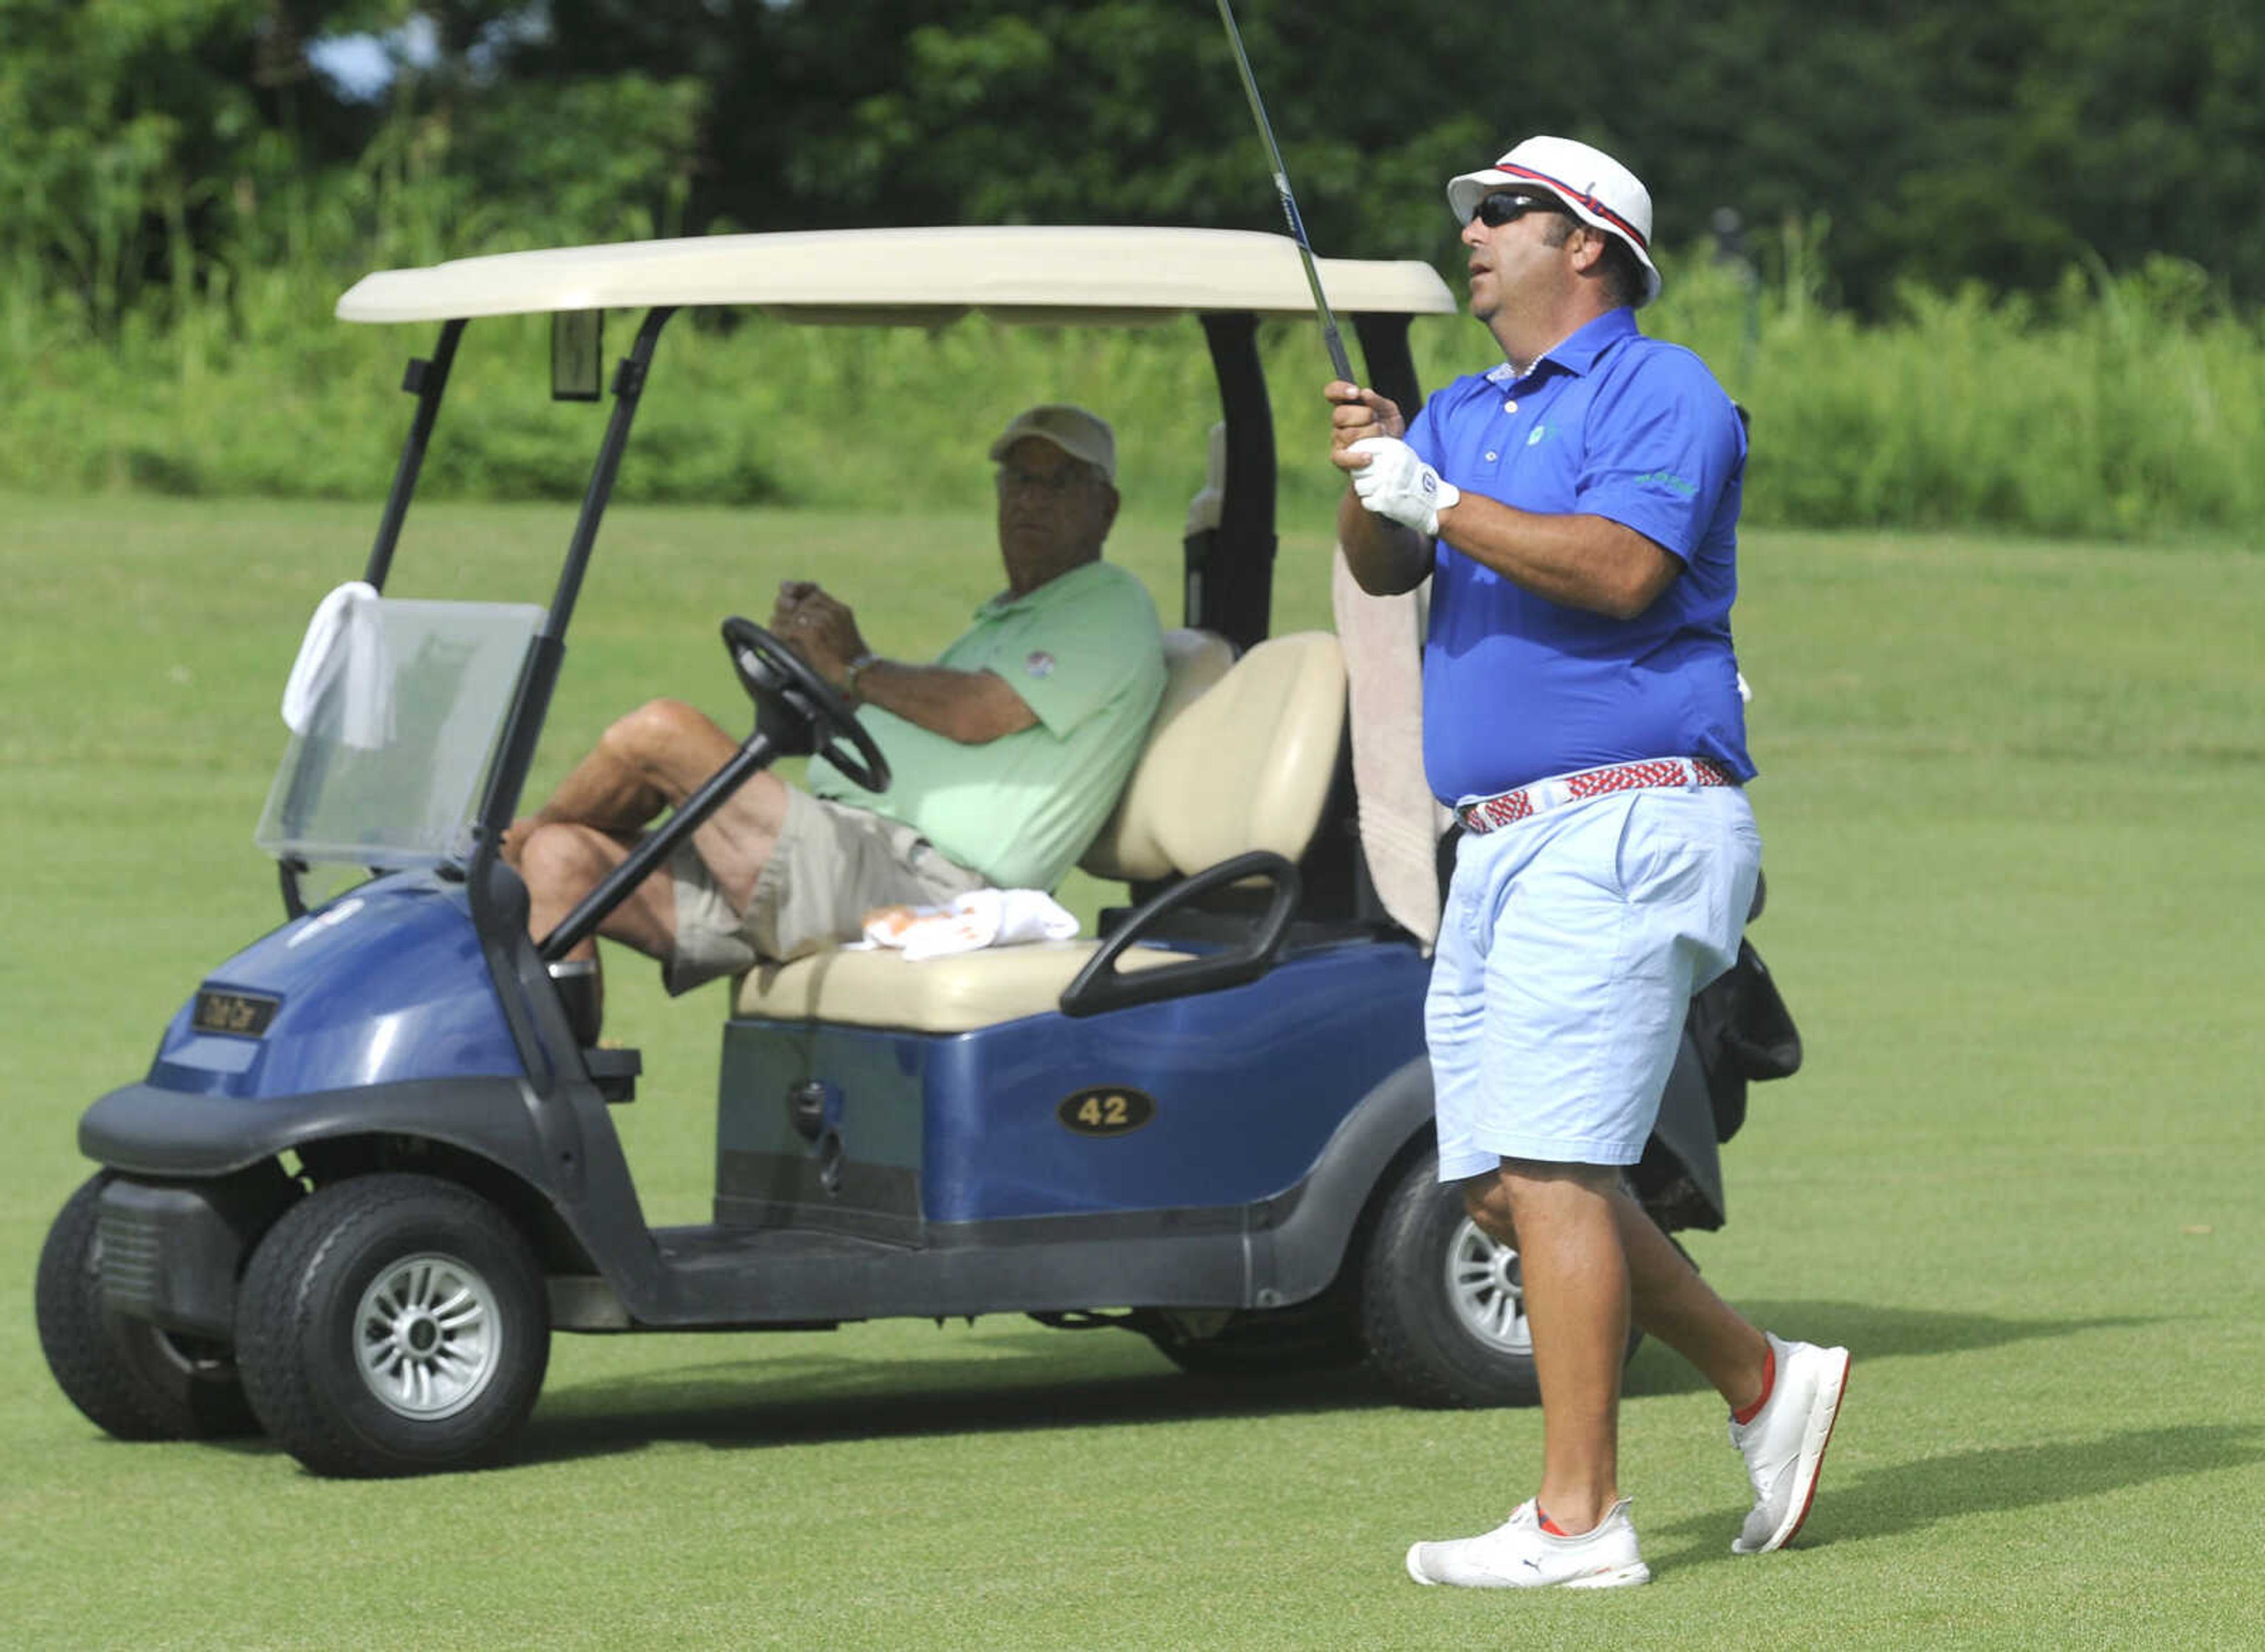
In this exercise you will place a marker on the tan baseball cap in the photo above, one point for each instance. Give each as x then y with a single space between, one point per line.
1079 434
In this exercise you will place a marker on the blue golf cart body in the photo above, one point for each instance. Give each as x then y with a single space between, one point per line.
372 1167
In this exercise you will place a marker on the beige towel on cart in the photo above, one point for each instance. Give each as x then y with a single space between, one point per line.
1400 821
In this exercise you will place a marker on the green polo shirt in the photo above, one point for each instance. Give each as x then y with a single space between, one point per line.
1086 654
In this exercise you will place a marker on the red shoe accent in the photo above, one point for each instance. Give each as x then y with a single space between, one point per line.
1802 1519
1549 1525
1769 1381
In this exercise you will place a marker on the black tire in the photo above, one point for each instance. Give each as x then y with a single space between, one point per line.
130 1378
1438 1339
428 1284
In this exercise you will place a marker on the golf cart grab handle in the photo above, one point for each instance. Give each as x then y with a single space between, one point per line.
1100 986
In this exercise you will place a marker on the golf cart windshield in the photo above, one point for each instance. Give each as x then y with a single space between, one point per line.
388 765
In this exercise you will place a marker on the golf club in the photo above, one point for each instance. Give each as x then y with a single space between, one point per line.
1338 357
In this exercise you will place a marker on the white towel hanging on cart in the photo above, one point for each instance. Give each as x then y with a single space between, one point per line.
344 648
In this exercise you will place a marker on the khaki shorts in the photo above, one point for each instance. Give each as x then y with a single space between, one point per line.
832 865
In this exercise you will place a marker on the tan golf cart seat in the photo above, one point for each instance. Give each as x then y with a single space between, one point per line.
1239 757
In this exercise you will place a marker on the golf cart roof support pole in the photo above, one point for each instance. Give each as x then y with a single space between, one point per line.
516 751
492 920
1391 364
1237 588
653 848
629 386
427 380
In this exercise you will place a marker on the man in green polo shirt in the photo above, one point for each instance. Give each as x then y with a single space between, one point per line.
1009 751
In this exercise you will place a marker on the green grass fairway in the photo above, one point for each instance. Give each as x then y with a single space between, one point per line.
2012 794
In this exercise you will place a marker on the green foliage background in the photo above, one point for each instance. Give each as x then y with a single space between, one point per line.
2128 406
2000 265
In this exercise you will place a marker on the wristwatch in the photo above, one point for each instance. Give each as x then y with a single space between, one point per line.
849 677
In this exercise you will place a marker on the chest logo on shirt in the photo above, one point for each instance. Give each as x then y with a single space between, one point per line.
1040 663
1533 437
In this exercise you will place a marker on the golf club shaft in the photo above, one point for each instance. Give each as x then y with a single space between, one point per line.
1338 357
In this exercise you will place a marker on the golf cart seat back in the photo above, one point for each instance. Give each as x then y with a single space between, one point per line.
1242 763
1126 849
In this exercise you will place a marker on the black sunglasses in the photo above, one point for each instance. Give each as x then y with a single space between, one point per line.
1508 205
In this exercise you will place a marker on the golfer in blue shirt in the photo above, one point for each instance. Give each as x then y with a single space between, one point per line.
1576 511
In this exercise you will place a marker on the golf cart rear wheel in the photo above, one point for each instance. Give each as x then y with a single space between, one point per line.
393 1325
131 1379
1443 1305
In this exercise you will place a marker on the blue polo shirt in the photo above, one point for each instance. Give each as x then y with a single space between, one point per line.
1518 687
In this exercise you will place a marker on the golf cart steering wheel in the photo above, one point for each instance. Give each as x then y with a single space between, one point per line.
778 679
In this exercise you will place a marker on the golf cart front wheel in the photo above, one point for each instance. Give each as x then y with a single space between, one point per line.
1443 1305
131 1380
393 1325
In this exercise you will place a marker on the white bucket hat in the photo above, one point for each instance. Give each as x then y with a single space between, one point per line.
1595 188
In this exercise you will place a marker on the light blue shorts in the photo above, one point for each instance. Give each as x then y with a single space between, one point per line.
1568 955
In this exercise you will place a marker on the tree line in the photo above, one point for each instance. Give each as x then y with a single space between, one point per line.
149 146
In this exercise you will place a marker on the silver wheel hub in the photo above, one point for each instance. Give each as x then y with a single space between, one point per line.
428 1337
1486 1292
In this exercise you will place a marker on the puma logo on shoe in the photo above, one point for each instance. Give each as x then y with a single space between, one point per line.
1520 1555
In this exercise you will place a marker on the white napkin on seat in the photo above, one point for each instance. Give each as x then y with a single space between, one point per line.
344 644
980 918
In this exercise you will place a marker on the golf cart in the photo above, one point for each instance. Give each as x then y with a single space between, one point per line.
372 1167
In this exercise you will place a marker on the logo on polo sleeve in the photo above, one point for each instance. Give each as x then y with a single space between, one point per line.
1040 663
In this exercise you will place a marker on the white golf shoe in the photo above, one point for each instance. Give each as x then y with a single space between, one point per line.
1519 1554
1784 1444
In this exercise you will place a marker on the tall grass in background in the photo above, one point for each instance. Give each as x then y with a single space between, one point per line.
2114 407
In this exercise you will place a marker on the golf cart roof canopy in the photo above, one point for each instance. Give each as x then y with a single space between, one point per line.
911 278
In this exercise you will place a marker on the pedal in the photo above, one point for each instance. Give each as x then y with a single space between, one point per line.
615 1072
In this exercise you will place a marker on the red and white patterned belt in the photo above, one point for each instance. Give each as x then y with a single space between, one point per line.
1491 814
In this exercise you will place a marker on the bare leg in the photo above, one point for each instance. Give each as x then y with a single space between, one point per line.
1576 1301
1671 1302
563 862
608 791
651 760
1667 1298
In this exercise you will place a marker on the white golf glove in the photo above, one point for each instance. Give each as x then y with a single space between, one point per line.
1400 487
